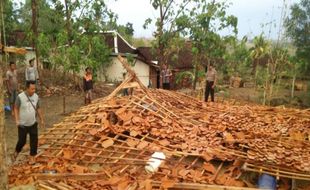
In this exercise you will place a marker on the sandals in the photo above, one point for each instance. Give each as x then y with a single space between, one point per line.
32 160
14 156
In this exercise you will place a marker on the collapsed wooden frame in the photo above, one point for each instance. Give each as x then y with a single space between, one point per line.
95 137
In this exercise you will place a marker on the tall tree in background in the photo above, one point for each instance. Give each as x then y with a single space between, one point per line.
260 50
34 27
238 58
298 29
81 43
206 20
168 25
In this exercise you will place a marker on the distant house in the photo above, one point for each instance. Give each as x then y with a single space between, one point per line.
144 68
146 55
18 38
178 62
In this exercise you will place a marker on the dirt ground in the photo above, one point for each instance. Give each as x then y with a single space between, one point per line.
280 97
52 108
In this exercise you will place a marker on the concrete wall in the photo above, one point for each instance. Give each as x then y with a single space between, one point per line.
115 71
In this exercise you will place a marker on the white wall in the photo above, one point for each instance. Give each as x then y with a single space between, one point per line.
116 70
29 55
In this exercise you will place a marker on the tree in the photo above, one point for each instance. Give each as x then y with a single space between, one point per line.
205 22
3 153
81 43
298 29
260 50
277 66
238 56
34 28
126 31
169 24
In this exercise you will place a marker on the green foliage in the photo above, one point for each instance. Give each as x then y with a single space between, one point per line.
189 75
75 42
126 31
44 46
170 24
185 74
261 47
297 27
238 58
9 15
131 59
207 19
262 76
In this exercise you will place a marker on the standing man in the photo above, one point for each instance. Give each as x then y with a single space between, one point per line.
211 82
165 76
27 107
12 84
31 72
88 85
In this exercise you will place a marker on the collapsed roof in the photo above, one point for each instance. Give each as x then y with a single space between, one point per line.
111 143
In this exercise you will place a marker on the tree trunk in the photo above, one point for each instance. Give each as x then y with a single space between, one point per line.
160 48
197 61
3 154
35 30
68 23
271 80
293 86
2 33
195 76
267 85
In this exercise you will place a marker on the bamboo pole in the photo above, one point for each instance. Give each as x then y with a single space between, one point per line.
79 176
199 186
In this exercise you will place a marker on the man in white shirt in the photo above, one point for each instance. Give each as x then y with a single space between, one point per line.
31 72
27 108
166 75
210 83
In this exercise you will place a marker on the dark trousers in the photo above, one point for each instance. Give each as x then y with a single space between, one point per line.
22 137
166 86
125 92
209 90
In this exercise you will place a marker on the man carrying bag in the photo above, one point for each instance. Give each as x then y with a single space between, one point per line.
27 107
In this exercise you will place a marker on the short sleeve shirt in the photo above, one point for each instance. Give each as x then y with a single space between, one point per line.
166 75
27 111
211 75
11 76
31 74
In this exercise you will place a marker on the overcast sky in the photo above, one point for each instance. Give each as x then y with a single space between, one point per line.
251 15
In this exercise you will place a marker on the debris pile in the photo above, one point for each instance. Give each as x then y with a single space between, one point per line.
111 144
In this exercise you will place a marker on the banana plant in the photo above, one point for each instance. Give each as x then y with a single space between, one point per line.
261 49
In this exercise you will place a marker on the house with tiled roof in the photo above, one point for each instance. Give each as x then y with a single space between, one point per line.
144 68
